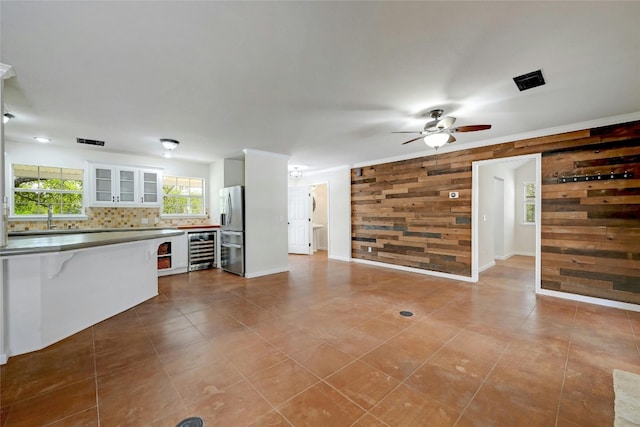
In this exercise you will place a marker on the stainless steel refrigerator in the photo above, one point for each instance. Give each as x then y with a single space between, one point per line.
232 229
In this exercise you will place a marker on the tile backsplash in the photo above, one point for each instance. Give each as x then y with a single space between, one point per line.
110 218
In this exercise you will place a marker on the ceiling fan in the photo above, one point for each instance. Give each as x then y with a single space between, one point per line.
438 131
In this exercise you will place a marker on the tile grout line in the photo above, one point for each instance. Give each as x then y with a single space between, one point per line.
482 383
633 331
403 382
95 373
566 364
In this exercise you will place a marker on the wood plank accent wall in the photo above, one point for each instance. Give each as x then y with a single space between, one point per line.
590 230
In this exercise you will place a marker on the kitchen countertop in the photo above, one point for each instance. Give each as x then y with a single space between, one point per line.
66 240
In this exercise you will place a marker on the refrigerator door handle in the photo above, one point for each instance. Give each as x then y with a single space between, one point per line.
230 209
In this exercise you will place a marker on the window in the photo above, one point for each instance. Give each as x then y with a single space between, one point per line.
37 187
182 196
529 203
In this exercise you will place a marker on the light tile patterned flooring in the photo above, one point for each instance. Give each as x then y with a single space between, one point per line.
324 345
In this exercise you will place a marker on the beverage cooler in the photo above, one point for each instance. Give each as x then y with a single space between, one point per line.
202 250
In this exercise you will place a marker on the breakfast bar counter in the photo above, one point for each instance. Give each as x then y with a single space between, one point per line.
29 243
55 285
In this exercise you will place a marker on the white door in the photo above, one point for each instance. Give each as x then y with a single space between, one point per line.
299 220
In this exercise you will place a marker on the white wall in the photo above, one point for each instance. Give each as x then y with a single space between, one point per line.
338 182
223 173
525 235
266 231
51 155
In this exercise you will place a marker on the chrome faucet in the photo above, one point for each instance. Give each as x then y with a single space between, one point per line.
49 217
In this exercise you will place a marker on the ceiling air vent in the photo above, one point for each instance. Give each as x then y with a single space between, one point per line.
90 141
529 80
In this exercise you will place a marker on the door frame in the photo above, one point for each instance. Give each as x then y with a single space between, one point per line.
475 213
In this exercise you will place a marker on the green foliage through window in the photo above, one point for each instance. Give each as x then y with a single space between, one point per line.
529 202
182 196
37 187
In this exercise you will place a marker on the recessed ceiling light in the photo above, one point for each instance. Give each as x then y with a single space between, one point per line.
42 139
7 117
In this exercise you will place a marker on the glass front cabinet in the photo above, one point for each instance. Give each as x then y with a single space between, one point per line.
112 185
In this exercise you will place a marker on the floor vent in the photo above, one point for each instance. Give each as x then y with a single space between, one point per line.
529 80
191 422
90 141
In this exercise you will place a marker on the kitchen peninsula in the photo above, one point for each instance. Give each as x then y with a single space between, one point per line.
58 284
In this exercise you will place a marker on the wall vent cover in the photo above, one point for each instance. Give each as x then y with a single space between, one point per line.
529 80
90 141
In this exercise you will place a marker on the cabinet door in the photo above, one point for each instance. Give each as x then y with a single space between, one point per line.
127 182
103 185
181 251
150 187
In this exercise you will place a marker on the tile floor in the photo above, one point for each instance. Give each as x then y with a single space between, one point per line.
324 345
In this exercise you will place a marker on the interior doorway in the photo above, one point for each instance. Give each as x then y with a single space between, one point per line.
498 218
499 230
320 217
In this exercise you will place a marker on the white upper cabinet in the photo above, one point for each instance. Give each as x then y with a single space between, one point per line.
150 187
112 185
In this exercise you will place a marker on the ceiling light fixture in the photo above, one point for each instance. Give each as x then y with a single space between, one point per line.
436 140
7 117
295 173
42 139
169 144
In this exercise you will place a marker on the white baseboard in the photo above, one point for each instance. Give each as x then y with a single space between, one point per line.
486 266
339 258
415 270
590 300
3 359
265 273
525 253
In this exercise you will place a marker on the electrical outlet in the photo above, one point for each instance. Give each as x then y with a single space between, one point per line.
369 249
454 194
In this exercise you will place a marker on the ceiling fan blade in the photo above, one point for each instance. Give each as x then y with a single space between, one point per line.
411 140
471 128
446 123
407 131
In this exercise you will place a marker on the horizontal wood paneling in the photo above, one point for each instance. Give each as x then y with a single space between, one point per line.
590 230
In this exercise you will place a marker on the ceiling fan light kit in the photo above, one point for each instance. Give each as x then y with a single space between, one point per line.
438 132
436 140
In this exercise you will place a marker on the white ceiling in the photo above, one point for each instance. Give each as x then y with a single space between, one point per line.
324 82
